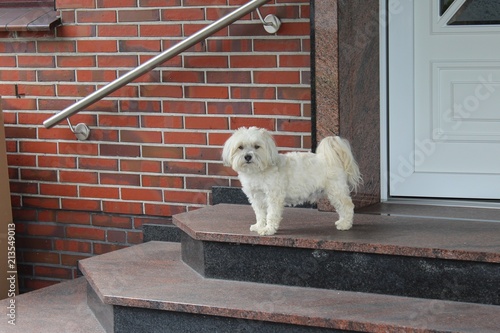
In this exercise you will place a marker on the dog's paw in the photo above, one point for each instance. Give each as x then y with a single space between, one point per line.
254 227
343 225
266 231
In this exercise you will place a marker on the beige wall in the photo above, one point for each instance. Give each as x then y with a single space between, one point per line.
5 213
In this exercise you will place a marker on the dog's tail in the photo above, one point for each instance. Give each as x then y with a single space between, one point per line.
337 152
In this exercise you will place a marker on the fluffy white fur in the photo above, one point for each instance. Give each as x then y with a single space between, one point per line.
271 180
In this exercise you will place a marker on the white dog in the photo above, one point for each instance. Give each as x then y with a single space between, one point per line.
271 180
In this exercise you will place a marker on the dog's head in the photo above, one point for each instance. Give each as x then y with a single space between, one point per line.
250 150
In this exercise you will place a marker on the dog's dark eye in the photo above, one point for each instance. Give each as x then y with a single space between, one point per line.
240 147
256 146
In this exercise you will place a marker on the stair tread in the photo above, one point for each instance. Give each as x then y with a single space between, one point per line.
396 235
152 275
59 308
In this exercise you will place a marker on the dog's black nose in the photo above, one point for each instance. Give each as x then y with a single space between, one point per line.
248 158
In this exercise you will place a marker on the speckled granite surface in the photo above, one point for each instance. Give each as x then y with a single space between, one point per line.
61 308
307 228
151 275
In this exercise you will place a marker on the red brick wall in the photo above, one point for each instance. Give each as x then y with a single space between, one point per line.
154 148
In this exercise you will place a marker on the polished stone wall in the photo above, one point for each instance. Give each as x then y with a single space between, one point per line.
346 100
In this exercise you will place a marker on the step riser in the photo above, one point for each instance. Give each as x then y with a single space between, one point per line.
454 280
133 320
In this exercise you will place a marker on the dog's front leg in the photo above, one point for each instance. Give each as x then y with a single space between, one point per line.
275 205
260 209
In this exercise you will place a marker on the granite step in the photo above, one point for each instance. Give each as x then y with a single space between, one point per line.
61 308
148 288
435 258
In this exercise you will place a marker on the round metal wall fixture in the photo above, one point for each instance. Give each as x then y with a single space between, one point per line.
82 131
272 23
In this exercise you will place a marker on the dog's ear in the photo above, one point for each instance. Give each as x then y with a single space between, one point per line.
270 145
227 151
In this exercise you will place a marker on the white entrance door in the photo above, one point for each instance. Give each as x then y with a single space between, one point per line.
444 99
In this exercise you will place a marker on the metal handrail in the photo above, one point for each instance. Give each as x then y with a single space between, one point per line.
154 62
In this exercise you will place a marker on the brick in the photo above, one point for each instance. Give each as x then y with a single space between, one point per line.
141 194
163 181
40 202
274 45
96 46
23 188
72 217
101 248
18 47
218 169
117 61
185 138
140 166
116 3
247 29
97 164
206 122
46 230
293 125
65 245
96 16
253 92
289 141
59 162
7 61
138 15
112 221
229 77
100 192
203 153
83 177
289 60
229 45
139 106
81 204
215 92
39 175
164 121
38 147
75 4
21 160
163 210
295 29
162 152
78 148
53 272
74 90
253 61
85 233
139 46
41 257
76 61
160 30
17 75
159 3
199 198
122 30
183 76
229 107
206 61
188 107
23 242
106 120
204 183
36 90
276 77
56 75
140 136
96 75
134 237
192 28
60 190
120 179
276 109
116 236
122 207
56 46
36 61
294 93
204 3
181 167
159 90
218 139
237 122
183 14
218 12
73 31
120 150
7 90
